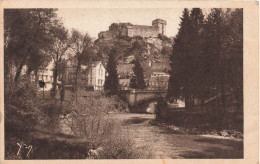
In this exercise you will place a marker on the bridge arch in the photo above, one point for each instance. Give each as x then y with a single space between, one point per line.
138 99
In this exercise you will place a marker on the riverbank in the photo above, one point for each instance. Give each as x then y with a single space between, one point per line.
225 134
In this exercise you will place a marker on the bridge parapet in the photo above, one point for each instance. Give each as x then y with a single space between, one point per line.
137 96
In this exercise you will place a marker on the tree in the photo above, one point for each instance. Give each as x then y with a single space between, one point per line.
138 79
207 58
225 37
236 55
58 51
138 47
83 48
214 46
27 36
62 66
196 63
180 61
111 82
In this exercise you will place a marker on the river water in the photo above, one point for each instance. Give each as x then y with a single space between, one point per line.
163 143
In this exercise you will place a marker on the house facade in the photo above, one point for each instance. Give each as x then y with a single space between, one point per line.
124 83
45 75
158 81
91 77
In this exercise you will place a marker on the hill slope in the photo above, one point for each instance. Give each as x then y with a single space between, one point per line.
149 50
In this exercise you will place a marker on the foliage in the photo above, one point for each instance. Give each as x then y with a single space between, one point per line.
207 57
58 51
138 47
161 105
27 37
21 105
111 82
114 27
164 38
179 59
121 147
62 67
137 81
82 47
90 120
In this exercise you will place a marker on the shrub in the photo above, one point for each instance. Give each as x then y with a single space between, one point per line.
120 147
164 38
90 120
21 109
161 105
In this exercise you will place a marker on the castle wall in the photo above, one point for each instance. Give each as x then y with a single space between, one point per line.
143 31
107 35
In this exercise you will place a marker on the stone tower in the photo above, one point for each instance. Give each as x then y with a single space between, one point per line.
160 24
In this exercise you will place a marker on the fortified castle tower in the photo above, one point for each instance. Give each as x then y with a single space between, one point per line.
160 24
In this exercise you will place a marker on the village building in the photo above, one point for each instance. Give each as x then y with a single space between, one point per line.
158 81
130 30
155 75
92 77
44 75
124 83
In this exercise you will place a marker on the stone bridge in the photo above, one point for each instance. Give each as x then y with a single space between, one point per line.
138 99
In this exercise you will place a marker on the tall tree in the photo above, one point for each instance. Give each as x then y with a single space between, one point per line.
196 53
224 38
82 46
138 79
111 82
62 66
214 42
27 35
180 60
58 51
236 55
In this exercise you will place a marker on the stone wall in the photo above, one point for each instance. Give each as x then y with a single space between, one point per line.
143 31
107 35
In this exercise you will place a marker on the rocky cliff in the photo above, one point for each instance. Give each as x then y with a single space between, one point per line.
149 50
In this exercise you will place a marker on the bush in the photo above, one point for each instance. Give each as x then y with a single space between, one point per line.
164 38
90 120
24 113
161 105
21 107
90 116
127 38
120 147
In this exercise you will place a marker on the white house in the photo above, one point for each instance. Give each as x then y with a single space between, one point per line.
46 75
92 77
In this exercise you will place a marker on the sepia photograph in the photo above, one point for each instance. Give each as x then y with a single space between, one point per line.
123 83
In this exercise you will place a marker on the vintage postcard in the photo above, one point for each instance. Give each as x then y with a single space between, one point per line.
129 82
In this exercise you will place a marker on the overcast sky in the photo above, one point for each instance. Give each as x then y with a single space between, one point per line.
95 20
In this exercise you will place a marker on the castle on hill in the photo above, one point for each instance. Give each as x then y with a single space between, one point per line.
128 29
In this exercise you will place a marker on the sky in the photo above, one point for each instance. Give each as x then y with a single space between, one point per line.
92 21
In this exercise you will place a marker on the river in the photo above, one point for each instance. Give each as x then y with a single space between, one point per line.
163 143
